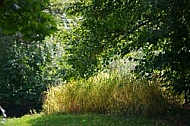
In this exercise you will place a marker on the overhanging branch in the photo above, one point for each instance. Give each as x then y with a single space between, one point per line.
134 29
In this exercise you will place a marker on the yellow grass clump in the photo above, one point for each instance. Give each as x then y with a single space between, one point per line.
107 93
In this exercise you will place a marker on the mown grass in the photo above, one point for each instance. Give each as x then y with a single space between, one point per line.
82 120
114 100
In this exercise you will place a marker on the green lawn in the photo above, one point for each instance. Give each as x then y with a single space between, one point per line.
80 120
97 120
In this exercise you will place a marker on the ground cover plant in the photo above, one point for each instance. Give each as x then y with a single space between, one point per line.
108 93
60 119
81 120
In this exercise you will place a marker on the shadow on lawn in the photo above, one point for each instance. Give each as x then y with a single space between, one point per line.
178 118
89 120
58 120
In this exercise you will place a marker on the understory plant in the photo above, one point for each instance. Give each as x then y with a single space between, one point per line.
107 93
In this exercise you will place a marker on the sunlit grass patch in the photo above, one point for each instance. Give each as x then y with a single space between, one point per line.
107 93
57 119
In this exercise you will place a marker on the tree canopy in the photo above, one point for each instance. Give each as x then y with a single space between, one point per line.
24 57
29 17
161 28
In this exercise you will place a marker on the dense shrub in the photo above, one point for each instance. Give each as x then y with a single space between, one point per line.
20 75
107 93
25 71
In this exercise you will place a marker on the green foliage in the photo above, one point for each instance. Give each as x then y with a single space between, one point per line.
91 43
28 64
160 28
29 17
20 76
91 32
26 70
55 69
167 50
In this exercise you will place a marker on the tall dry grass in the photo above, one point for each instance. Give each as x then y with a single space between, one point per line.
107 93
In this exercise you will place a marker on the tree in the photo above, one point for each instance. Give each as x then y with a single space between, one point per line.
161 28
29 17
171 42
26 70
25 58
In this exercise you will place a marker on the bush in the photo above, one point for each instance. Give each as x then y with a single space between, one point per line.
107 93
20 75
25 70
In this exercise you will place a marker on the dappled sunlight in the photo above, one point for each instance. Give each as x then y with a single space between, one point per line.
108 93
58 119
122 58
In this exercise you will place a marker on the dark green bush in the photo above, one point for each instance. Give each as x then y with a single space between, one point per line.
25 71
